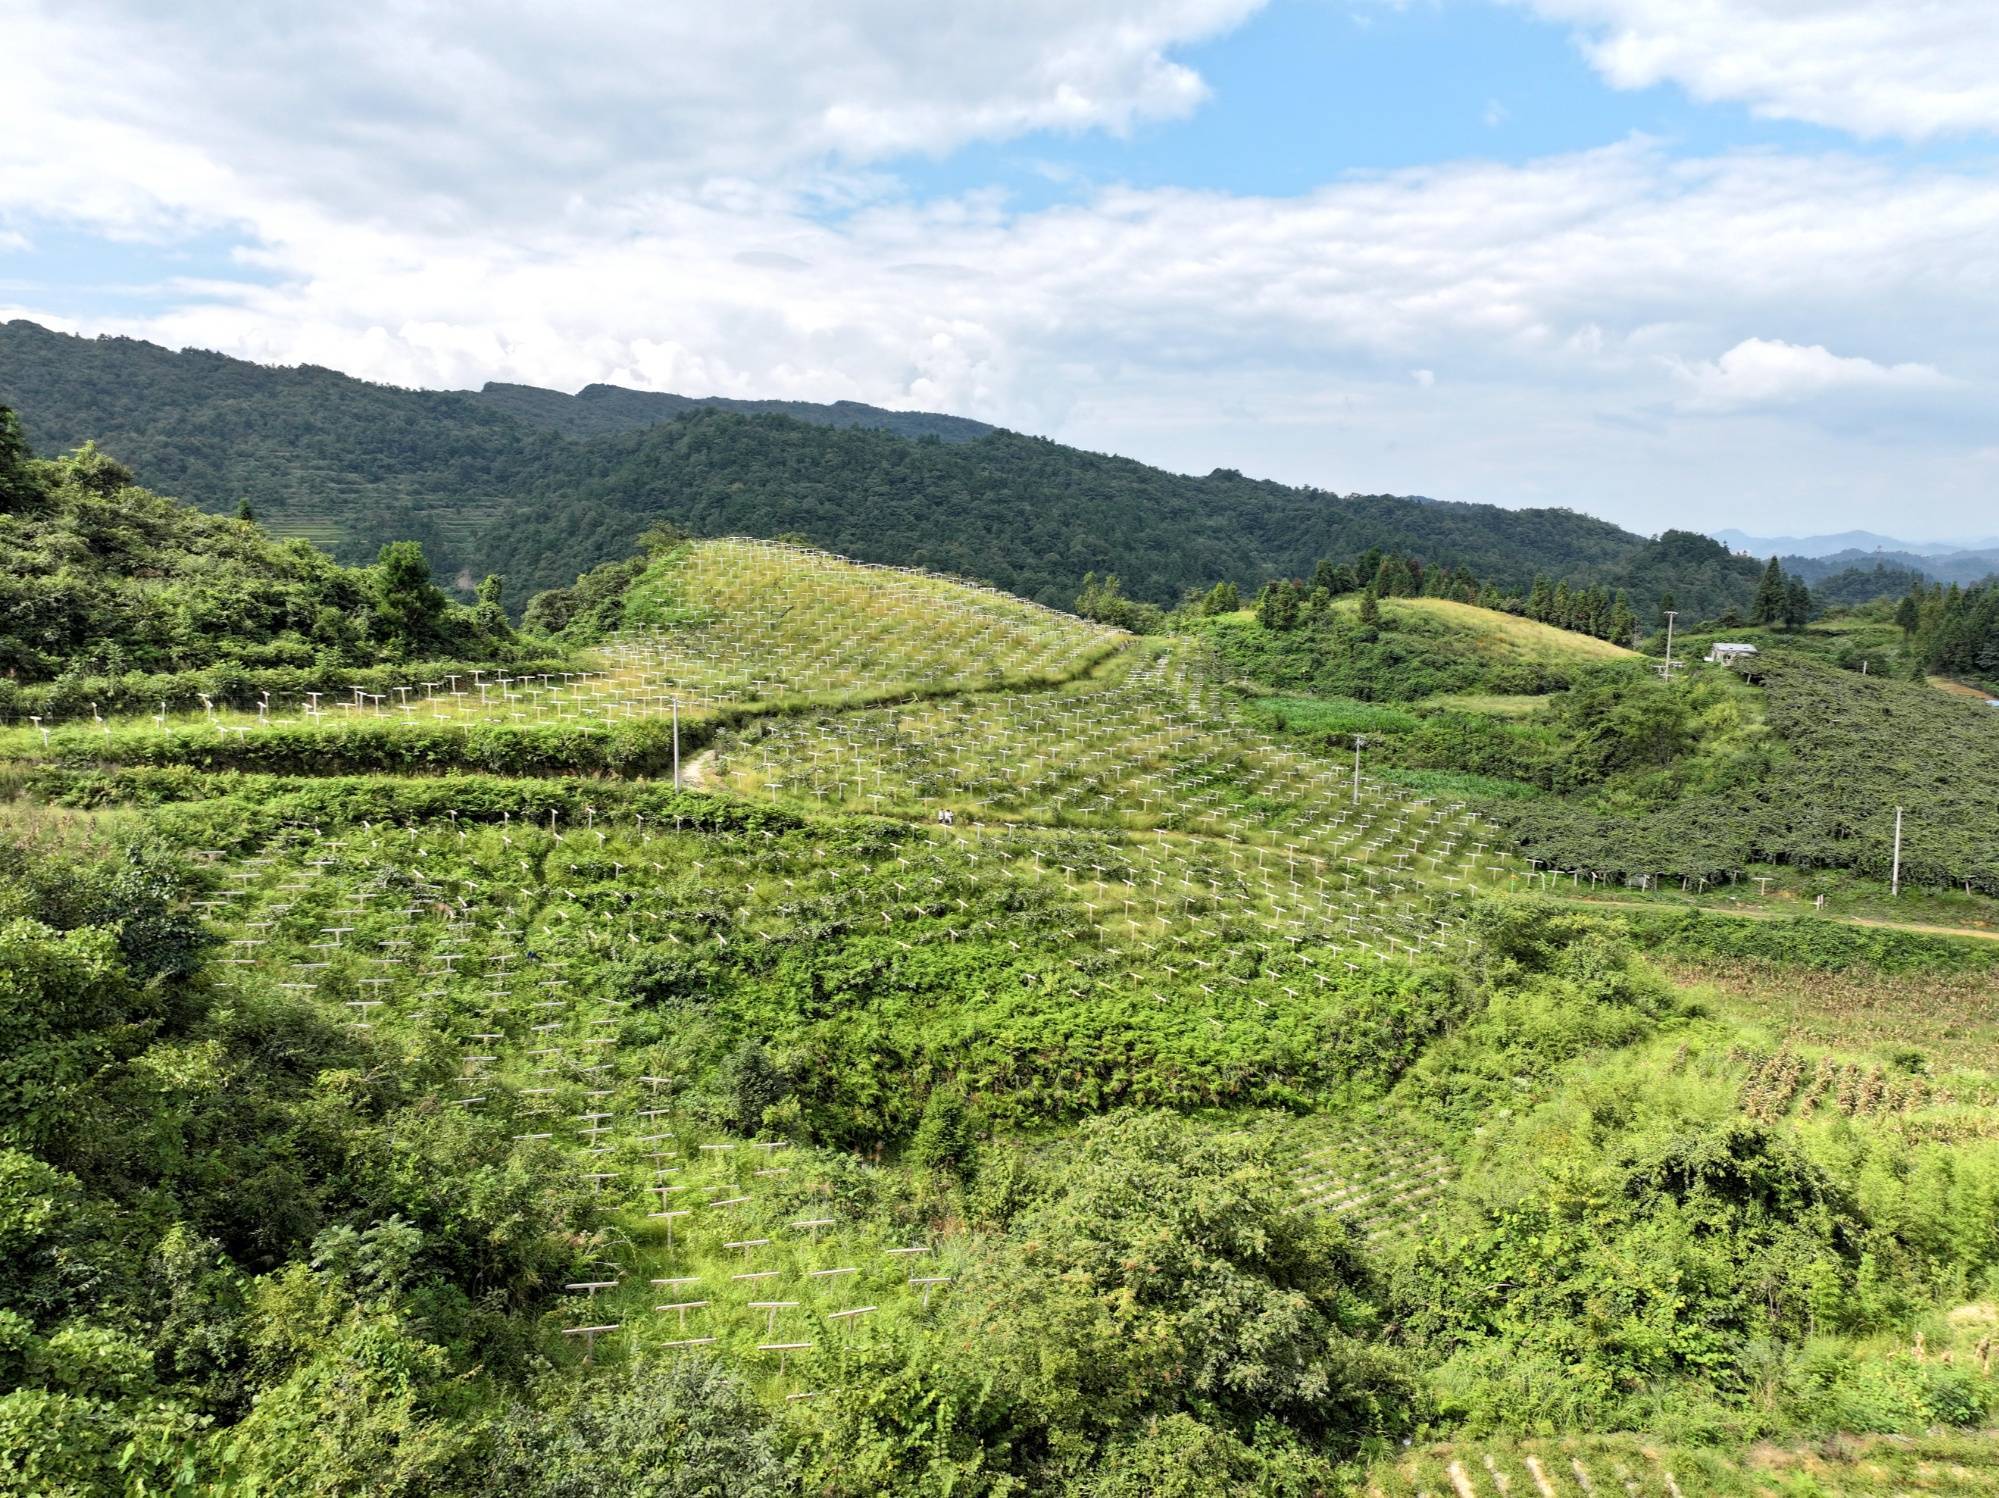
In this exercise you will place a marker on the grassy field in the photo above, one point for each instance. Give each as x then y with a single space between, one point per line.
1949 1019
1503 635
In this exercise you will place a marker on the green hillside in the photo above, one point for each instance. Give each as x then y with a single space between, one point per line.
1596 766
489 482
103 580
839 1030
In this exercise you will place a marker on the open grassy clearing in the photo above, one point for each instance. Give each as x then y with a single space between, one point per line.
1949 1020
1503 635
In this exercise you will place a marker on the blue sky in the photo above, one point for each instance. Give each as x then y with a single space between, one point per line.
1673 264
1305 91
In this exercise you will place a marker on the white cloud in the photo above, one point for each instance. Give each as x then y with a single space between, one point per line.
447 213
1764 372
459 115
1907 68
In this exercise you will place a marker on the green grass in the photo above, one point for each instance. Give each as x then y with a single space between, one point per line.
1492 704
1951 1465
1333 715
1507 635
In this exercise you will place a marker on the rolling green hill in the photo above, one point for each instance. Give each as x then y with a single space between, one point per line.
1007 1067
539 486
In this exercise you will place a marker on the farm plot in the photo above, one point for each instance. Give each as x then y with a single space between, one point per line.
1153 751
743 621
1368 1171
1056 972
730 624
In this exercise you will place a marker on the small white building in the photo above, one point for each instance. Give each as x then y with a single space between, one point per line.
1728 652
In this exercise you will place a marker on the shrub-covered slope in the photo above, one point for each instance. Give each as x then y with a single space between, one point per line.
99 577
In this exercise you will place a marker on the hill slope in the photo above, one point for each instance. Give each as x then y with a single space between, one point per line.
490 482
99 577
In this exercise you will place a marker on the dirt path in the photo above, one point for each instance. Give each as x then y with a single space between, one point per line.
694 772
1918 927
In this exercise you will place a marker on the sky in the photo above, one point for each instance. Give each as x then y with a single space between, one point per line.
1695 263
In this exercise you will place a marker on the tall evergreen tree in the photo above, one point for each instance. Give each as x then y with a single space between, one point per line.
18 488
1623 623
409 607
1769 605
1797 604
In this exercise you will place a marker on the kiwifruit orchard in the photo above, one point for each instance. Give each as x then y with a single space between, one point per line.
841 1029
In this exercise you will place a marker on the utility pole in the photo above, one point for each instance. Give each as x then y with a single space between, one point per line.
1358 740
1895 876
676 743
1671 615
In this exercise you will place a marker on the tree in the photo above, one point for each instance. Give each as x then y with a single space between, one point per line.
1370 609
1176 1247
243 510
1335 577
1769 605
18 487
1103 600
1222 598
751 1084
1908 613
1623 622
1797 604
489 614
1277 605
1541 601
409 607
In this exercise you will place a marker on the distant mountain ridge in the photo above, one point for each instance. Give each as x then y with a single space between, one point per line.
603 410
1846 541
538 485
1815 558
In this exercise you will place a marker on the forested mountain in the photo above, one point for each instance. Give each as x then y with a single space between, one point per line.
600 410
1025 513
1858 584
540 486
1692 573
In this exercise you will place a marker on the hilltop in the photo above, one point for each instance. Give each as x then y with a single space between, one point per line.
600 410
539 486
